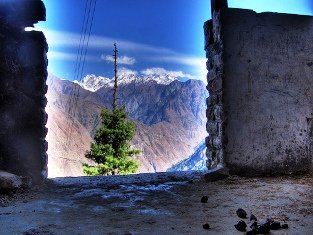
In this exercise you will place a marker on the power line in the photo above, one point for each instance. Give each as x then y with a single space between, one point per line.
79 67
82 68
78 55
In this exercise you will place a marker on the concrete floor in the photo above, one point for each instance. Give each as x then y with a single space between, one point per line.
163 203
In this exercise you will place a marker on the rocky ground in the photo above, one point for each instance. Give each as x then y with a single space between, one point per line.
163 203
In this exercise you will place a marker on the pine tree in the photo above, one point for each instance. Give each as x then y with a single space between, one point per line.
111 151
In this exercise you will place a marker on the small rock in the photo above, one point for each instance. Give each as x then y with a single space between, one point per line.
252 232
275 225
241 226
252 217
264 228
9 182
284 226
204 199
254 225
241 213
206 226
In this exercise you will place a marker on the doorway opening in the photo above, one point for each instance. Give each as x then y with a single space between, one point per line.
161 76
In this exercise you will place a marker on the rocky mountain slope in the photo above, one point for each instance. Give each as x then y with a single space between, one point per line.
65 155
170 119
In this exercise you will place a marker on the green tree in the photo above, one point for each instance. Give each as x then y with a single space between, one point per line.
111 151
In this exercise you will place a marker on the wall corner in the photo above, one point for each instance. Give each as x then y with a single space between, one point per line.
215 113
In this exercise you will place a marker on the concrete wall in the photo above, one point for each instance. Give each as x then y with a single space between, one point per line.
261 69
23 72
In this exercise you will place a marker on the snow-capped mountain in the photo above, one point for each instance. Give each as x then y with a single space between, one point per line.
93 83
125 79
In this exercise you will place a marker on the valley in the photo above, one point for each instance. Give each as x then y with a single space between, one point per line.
169 115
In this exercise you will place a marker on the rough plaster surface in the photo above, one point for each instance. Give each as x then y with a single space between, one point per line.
265 78
268 91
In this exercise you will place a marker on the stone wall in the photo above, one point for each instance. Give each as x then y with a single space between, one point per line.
23 73
215 109
260 110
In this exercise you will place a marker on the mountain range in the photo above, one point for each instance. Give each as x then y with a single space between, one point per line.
93 83
169 115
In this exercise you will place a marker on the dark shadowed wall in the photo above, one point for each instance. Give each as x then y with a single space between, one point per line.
23 72
260 80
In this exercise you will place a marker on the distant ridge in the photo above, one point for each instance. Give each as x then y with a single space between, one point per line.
93 83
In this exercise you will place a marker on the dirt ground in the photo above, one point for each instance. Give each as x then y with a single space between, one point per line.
163 203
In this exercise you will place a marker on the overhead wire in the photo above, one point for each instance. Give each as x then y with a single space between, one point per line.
80 45
79 67
70 118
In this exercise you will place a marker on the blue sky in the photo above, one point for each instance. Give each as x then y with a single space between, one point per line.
152 35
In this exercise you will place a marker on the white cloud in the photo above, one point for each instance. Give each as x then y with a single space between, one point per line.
162 71
120 60
57 55
182 59
187 60
198 64
126 71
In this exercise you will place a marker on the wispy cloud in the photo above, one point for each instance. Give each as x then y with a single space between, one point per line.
61 55
67 39
57 55
121 59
